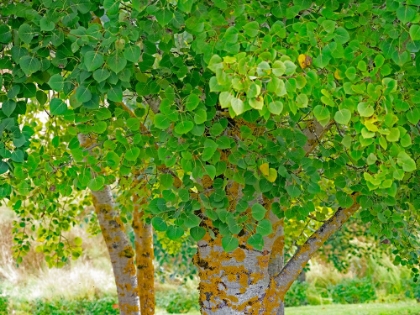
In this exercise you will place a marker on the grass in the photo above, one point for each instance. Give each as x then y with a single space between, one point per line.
401 308
406 308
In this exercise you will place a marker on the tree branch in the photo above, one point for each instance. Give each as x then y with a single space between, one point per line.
296 264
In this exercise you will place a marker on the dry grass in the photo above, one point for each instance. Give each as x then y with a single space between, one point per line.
88 277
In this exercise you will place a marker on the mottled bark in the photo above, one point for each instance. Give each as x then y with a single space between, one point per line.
276 262
119 247
120 251
235 283
144 260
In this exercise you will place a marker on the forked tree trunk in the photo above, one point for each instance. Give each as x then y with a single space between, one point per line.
120 251
251 282
144 260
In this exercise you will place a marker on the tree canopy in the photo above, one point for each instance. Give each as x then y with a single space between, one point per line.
225 117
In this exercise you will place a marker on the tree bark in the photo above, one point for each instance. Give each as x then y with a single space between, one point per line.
120 251
144 260
234 283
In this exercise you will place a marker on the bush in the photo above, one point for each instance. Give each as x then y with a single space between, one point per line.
4 302
104 306
180 301
296 296
352 291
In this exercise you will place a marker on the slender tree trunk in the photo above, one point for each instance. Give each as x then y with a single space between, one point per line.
120 251
119 247
144 261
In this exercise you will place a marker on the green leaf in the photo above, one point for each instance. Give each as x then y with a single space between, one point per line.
365 110
57 107
159 224
251 29
344 200
100 127
184 127
162 121
293 191
302 100
46 25
413 115
5 36
8 107
322 114
406 162
132 53
341 35
83 94
200 116
101 75
342 116
174 232
25 33
4 167
29 65
192 102
132 154
116 62
264 227
164 17
17 156
115 94
93 60
133 123
258 212
56 82
230 243
237 106
256 241
275 107
97 183
406 14
197 233
415 32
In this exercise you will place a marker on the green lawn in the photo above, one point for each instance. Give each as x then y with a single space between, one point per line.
357 309
348 309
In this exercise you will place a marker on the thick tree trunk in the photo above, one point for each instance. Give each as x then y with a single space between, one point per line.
144 261
120 251
235 283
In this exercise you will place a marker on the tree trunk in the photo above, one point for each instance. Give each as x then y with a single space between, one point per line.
144 261
119 247
120 251
235 283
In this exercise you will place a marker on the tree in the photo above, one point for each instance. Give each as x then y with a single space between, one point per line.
226 121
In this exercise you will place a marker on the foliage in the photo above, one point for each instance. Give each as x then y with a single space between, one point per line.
179 300
4 302
104 305
174 258
354 291
312 105
296 296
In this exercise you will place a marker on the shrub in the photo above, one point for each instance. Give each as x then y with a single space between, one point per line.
103 306
4 302
179 300
355 290
296 296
